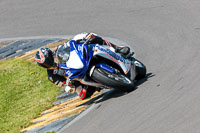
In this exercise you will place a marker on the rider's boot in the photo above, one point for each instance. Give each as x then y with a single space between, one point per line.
124 51
85 92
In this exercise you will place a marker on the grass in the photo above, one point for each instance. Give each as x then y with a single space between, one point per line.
24 93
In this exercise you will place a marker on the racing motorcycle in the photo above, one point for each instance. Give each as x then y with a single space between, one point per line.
99 66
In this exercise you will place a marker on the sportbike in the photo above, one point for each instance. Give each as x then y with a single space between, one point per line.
99 66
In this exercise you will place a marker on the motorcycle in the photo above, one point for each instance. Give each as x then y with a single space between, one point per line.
99 66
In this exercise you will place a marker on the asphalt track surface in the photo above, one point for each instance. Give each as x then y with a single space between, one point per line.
165 36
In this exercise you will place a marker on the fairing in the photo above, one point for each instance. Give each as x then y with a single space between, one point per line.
78 64
106 52
78 61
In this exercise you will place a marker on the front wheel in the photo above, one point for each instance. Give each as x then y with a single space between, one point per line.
140 70
114 80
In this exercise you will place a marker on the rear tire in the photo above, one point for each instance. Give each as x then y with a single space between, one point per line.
113 80
140 69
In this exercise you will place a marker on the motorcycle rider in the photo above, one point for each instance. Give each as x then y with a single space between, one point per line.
45 58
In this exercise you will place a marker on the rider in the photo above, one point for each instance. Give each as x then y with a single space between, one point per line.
45 58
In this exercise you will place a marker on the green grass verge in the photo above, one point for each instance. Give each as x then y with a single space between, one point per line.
24 93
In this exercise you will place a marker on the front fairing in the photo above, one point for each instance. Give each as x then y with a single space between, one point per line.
79 60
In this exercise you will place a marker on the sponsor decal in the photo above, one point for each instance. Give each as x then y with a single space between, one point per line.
112 54
68 73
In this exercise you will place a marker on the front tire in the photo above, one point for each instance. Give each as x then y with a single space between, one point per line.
114 80
140 70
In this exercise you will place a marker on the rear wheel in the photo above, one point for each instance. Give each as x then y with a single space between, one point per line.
114 80
140 69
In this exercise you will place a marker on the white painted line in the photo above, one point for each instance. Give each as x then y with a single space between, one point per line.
84 113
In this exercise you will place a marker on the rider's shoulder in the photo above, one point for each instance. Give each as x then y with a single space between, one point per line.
80 36
83 35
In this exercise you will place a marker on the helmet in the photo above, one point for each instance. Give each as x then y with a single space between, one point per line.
44 57
63 52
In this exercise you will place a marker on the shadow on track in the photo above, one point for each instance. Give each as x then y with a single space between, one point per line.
148 75
113 93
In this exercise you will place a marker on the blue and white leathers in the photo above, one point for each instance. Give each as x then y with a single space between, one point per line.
80 58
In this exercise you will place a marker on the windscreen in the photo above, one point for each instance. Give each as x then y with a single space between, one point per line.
63 53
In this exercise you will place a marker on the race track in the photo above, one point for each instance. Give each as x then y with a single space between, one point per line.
165 35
